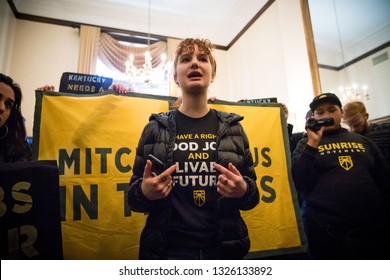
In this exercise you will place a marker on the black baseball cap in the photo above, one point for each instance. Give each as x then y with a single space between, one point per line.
325 97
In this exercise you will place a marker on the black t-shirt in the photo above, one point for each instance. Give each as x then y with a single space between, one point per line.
194 196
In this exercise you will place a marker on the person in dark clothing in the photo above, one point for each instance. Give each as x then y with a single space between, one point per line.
344 183
295 137
13 140
356 117
194 205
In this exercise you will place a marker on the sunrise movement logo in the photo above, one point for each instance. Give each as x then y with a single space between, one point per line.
341 147
199 197
346 162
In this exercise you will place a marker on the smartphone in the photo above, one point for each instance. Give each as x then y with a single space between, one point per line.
157 165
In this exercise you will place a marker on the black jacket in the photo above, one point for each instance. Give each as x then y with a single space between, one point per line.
158 138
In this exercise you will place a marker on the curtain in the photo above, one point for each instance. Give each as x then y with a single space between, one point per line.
89 49
114 54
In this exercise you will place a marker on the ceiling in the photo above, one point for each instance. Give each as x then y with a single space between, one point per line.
218 20
346 29
221 21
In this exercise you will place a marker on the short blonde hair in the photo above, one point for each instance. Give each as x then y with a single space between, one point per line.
188 45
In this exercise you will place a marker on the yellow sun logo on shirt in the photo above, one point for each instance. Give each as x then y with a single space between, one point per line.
199 197
346 162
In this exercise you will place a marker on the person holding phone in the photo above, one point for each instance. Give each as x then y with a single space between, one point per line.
343 181
194 205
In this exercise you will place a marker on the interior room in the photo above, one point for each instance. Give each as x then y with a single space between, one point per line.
288 49
142 147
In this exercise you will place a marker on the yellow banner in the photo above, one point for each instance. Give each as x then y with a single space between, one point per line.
94 137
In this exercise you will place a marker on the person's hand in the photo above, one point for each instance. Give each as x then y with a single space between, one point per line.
156 187
47 88
119 88
314 137
212 98
230 182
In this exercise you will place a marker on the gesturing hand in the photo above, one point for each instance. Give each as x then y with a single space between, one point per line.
156 187
230 182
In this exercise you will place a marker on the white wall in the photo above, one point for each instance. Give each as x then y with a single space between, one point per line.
40 54
255 62
270 60
220 86
364 72
377 78
7 30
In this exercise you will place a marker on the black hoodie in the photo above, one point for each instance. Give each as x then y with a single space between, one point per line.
344 182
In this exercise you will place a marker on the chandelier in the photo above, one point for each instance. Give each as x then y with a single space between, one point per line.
353 92
349 92
146 76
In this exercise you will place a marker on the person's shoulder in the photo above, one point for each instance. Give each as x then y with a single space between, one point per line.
228 117
343 134
161 118
376 130
161 115
358 138
380 126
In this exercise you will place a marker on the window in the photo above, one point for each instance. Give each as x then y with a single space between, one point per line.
158 79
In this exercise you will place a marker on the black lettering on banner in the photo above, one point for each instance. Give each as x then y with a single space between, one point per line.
264 153
267 162
63 158
80 199
72 158
268 189
125 187
255 156
88 161
89 205
118 157
103 159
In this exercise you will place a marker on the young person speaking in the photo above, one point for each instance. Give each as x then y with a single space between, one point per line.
194 204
